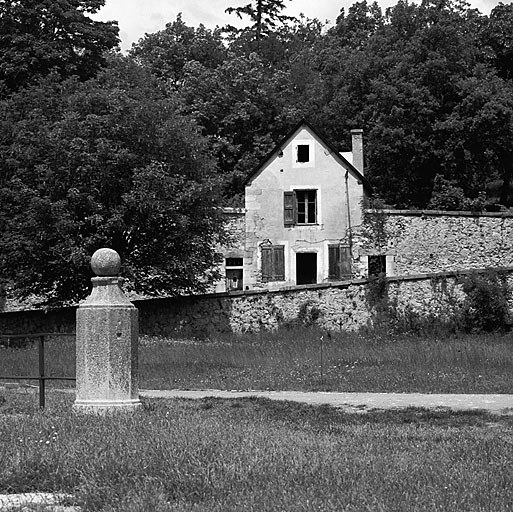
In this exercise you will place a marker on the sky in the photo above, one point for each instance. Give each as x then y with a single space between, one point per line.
138 17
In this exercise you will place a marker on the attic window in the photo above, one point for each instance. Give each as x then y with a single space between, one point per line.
303 153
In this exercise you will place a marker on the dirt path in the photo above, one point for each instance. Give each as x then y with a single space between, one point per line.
358 402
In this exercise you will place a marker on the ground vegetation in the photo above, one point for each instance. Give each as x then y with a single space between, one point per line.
303 359
255 454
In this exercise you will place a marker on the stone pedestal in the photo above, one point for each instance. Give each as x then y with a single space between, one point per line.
107 342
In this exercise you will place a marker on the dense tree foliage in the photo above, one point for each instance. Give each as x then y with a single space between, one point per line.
166 53
45 36
106 162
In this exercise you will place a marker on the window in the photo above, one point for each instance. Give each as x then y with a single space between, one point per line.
273 263
234 262
377 264
300 207
339 262
303 153
234 273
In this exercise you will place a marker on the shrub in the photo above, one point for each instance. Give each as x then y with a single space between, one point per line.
486 304
308 314
447 196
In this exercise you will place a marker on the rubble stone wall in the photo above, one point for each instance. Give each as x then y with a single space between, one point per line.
344 306
437 241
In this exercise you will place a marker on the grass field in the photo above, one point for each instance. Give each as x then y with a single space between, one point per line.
256 455
291 360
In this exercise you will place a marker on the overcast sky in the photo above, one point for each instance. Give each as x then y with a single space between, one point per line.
138 17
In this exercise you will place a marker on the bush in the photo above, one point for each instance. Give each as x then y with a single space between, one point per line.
447 196
486 303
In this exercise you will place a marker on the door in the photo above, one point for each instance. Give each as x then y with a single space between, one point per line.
233 279
306 268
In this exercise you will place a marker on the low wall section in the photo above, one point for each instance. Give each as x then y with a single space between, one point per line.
336 306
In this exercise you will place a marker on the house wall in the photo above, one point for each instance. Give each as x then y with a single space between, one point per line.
433 241
264 208
235 247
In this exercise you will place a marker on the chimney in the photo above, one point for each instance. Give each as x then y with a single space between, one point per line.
357 148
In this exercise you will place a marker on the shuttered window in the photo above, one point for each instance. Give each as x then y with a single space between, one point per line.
339 262
273 263
300 207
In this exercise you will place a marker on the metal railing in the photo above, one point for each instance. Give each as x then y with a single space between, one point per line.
42 378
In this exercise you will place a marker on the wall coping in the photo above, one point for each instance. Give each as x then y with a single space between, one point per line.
439 213
332 284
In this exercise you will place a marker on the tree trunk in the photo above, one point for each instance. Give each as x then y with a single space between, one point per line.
259 20
506 181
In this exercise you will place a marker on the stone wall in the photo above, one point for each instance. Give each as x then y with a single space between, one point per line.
337 306
438 241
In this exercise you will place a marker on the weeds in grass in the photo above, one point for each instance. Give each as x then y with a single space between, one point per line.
291 360
465 364
252 454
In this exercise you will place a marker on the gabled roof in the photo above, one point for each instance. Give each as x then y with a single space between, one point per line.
334 152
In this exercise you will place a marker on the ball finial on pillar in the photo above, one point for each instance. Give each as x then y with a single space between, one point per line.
106 262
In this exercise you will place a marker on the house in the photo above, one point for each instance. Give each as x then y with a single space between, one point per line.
302 203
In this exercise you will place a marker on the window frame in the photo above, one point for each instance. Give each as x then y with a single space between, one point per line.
291 207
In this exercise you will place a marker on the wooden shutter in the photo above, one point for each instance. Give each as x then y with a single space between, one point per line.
267 263
279 262
273 263
345 263
333 261
289 208
339 262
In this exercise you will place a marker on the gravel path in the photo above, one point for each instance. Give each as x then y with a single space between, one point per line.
358 402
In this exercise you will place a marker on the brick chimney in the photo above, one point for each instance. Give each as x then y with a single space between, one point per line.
357 148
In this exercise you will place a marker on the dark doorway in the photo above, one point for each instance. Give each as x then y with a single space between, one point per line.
233 279
306 268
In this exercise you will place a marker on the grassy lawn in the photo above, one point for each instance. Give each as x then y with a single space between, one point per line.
291 360
256 455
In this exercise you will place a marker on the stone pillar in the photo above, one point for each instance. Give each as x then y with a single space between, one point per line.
107 338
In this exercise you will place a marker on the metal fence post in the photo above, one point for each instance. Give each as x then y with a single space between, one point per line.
42 372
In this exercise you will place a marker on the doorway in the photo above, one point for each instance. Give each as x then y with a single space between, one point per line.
306 268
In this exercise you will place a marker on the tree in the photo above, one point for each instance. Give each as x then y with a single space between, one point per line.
264 15
398 78
478 134
361 22
237 107
38 37
166 53
497 38
106 162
